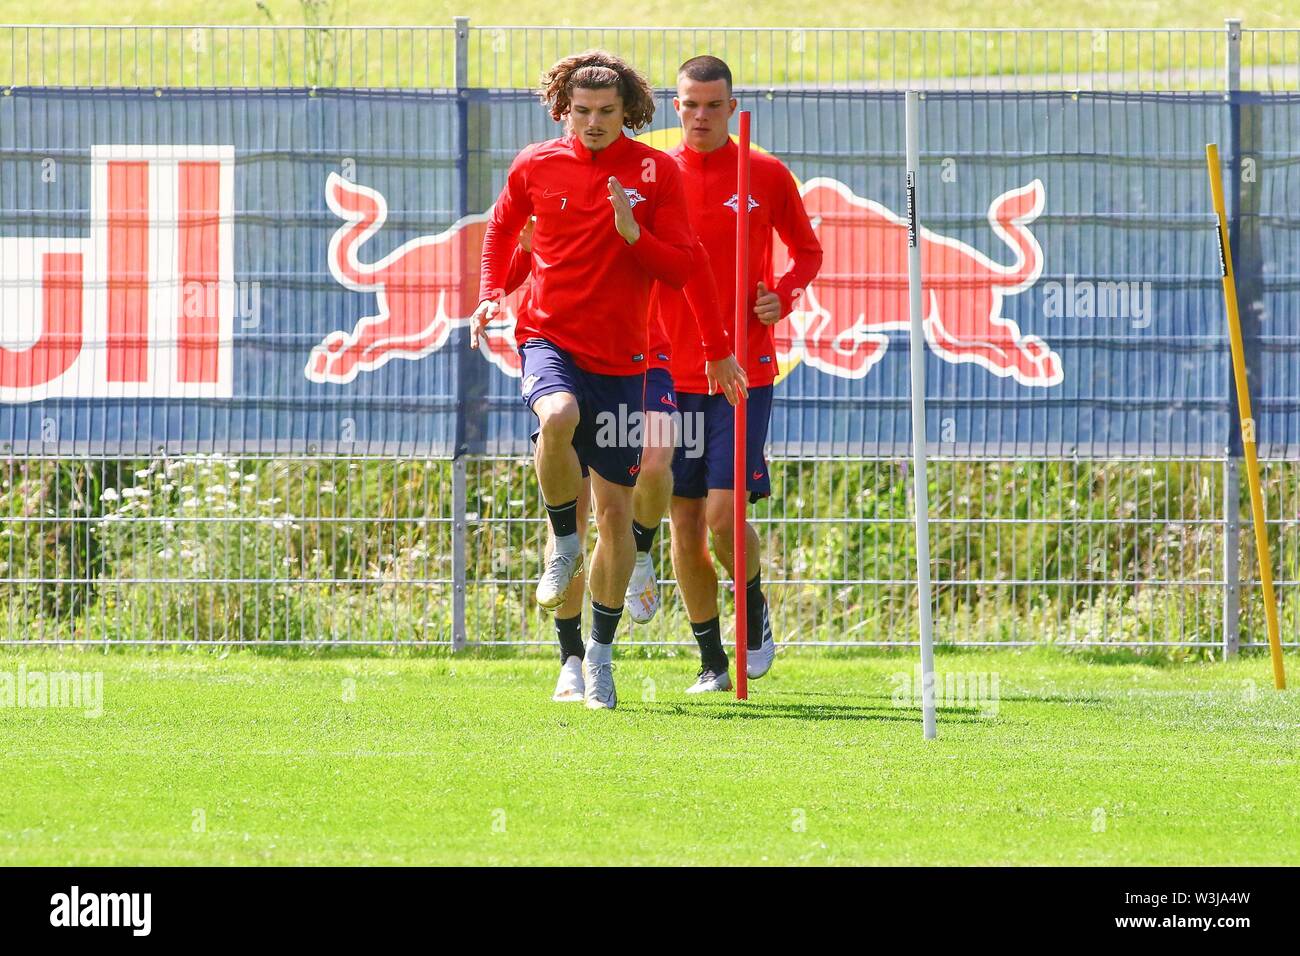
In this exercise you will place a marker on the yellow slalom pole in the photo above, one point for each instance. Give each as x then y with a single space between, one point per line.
1247 419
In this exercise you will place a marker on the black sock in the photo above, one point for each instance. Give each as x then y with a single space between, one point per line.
604 622
569 631
564 518
645 537
708 634
754 614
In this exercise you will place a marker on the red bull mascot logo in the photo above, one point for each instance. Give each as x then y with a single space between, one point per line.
861 291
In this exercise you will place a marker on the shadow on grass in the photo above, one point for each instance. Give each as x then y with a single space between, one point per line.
826 693
764 710
1124 656
1016 696
855 695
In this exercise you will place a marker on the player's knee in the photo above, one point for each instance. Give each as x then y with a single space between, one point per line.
557 414
614 517
690 537
657 462
718 517
687 516
659 434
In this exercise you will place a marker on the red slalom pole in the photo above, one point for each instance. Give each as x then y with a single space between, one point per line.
740 482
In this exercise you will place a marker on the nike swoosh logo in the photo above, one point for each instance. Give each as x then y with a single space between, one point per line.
757 475
547 194
665 400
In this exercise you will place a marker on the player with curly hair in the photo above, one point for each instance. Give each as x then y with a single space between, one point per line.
611 221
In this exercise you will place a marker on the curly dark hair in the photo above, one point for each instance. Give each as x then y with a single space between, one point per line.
597 70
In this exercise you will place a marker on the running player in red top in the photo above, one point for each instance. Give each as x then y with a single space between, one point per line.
702 484
654 482
611 220
705 335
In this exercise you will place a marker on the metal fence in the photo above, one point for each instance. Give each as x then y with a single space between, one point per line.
463 54
319 550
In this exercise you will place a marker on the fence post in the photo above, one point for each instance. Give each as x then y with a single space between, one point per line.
459 552
459 546
1232 458
462 51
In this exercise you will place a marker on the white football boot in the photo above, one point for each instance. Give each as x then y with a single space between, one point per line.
561 568
598 674
709 680
569 689
759 662
642 597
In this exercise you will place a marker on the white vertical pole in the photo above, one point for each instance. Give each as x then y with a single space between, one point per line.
1234 452
920 487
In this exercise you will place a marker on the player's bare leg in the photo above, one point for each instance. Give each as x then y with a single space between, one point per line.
568 617
719 516
560 476
615 552
697 580
654 489
611 568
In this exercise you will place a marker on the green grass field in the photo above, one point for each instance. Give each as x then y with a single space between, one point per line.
401 760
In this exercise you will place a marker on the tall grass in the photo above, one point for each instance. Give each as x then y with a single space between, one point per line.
219 548
330 49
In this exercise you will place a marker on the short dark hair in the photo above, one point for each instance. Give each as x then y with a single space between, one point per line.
705 69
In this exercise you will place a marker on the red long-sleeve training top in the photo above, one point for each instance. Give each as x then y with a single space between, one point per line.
701 295
590 292
708 335
775 204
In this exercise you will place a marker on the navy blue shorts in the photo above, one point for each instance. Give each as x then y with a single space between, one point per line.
660 395
605 406
704 458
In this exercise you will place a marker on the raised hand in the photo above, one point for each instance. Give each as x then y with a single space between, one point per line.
624 221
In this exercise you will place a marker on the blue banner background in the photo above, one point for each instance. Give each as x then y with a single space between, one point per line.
1127 199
